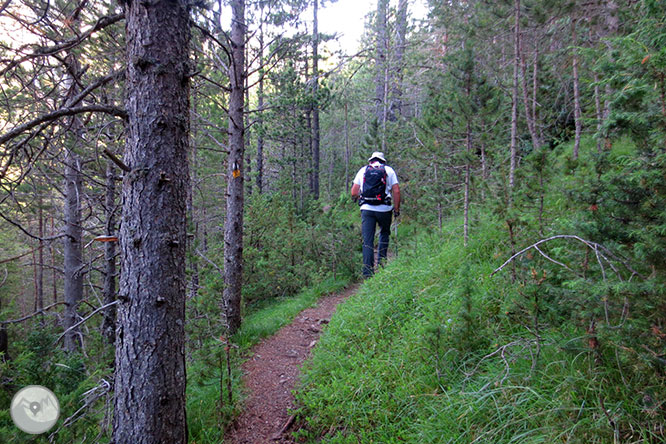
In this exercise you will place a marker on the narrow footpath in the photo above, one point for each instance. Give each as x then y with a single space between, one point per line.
272 372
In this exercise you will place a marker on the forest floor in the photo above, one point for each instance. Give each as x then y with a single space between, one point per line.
272 372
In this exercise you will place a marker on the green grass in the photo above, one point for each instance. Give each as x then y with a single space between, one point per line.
434 350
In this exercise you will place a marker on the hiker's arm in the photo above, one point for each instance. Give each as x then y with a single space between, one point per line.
395 197
355 191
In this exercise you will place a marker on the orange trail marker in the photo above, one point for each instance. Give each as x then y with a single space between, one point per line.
106 239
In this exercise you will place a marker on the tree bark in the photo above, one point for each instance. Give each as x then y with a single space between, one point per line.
514 96
400 46
381 54
529 116
578 115
260 104
315 103
233 223
109 289
39 297
72 249
149 404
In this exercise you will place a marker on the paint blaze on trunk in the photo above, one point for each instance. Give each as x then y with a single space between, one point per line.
150 356
233 223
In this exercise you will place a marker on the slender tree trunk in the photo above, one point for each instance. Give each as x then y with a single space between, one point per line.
233 223
54 280
72 249
598 110
440 218
260 103
578 117
4 343
381 54
484 167
39 297
400 37
192 217
535 89
347 155
514 96
73 240
529 117
247 140
315 101
150 343
109 290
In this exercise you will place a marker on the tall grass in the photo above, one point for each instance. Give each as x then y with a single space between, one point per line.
434 350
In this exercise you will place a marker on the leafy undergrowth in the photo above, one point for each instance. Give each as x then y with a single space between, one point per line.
435 350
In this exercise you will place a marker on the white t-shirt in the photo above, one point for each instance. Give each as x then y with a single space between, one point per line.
391 179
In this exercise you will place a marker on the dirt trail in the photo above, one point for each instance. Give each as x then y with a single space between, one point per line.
272 372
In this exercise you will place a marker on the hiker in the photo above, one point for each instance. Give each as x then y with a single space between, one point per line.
378 193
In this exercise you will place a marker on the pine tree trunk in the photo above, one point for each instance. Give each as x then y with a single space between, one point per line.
233 223
315 101
39 296
400 38
598 110
109 289
260 103
529 117
347 154
514 96
72 250
73 240
578 117
149 404
381 53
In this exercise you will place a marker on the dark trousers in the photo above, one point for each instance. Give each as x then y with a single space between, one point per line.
369 221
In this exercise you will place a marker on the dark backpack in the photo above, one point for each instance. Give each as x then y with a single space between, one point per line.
374 186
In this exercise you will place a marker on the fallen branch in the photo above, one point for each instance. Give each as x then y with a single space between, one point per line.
25 318
84 320
597 248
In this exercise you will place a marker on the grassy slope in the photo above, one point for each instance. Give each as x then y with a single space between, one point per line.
429 351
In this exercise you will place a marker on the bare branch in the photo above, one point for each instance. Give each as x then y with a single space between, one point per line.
62 112
24 318
55 49
85 319
597 248
117 161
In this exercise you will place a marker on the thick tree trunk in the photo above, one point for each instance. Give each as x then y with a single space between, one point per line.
514 96
233 223
109 290
150 337
315 101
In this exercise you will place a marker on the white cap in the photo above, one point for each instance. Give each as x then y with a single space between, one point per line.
377 155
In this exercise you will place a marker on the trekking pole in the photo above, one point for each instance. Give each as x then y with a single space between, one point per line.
395 235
